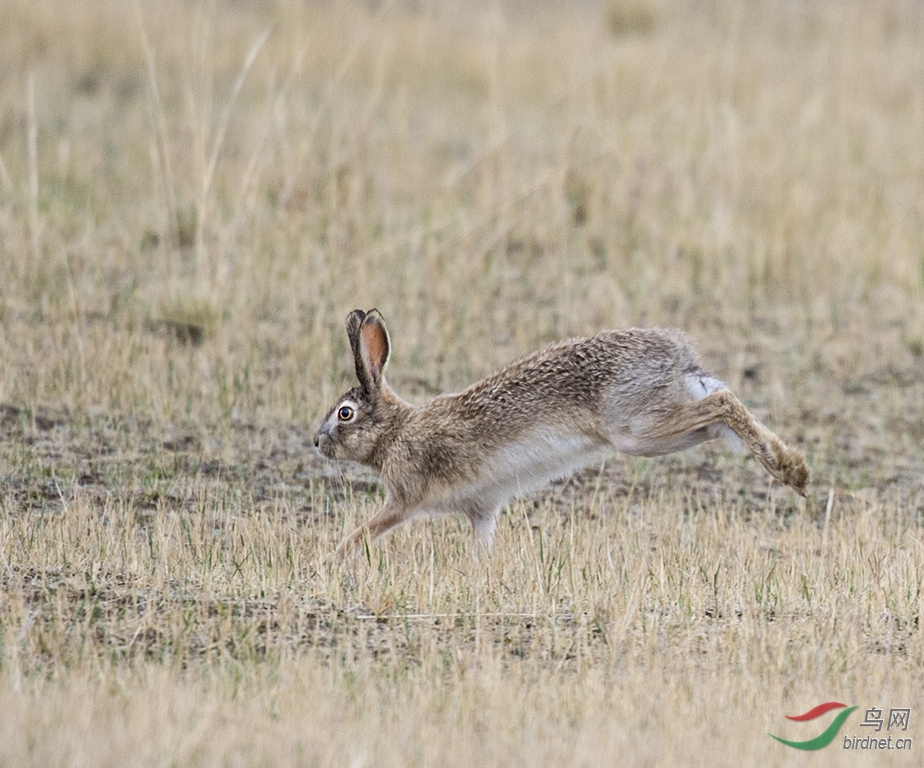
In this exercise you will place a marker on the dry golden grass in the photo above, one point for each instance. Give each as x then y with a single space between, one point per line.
193 195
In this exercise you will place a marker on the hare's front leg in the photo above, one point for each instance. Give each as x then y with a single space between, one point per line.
484 526
382 522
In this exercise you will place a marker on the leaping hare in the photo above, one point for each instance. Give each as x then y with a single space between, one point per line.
641 391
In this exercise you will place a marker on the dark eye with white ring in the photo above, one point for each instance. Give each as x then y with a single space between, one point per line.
345 413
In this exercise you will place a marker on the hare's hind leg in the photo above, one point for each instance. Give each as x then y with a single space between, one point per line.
785 463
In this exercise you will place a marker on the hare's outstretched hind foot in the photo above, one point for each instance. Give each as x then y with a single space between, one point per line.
785 463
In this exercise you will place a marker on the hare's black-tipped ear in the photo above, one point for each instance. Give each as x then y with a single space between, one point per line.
372 351
353 321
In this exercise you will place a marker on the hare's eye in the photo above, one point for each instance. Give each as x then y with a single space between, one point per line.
345 413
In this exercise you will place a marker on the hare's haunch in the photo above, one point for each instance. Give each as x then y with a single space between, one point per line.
641 391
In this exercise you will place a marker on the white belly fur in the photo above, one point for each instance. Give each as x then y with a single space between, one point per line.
528 465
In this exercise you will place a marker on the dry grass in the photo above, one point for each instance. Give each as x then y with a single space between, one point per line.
193 195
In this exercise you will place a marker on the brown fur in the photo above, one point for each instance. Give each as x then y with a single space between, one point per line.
641 391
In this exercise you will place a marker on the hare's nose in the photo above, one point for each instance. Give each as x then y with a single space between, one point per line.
317 441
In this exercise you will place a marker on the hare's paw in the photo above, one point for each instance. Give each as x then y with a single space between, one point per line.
796 473
787 465
352 545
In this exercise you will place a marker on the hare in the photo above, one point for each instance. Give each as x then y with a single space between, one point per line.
641 391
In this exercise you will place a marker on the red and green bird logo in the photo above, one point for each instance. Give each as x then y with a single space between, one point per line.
826 736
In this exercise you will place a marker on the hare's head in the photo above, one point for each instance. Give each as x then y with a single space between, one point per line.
365 419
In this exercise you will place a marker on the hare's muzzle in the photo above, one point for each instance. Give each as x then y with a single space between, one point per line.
322 441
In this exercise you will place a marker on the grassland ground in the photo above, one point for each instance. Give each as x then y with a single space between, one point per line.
193 195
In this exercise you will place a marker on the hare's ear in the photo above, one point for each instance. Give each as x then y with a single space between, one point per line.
373 349
353 321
